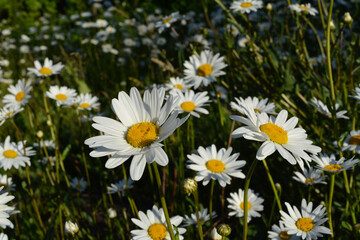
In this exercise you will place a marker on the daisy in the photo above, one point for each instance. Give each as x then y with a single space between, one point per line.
253 102
64 96
279 233
166 21
87 102
306 8
192 103
242 42
51 160
71 228
153 225
203 217
218 165
7 182
6 211
254 204
246 6
12 154
120 186
203 69
47 69
357 94
276 134
78 184
322 108
331 165
48 144
143 124
6 113
310 177
352 142
19 94
176 85
307 223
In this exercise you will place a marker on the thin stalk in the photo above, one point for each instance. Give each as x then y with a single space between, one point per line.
196 197
163 202
246 188
331 194
328 54
272 184
211 198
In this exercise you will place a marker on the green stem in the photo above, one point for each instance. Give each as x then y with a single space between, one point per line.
163 202
332 184
247 183
272 184
196 197
211 198
328 54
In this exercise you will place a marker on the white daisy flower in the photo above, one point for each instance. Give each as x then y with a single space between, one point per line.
352 142
310 177
47 69
166 21
203 69
3 236
357 94
254 204
218 165
279 233
306 8
203 217
51 160
6 113
177 84
19 94
246 6
259 106
277 134
307 223
7 182
331 165
153 225
192 103
87 101
71 228
12 154
101 23
143 124
120 186
78 184
64 96
6 211
322 108
48 144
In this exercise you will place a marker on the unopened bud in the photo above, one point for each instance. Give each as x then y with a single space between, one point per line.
71 228
348 18
269 7
332 25
112 213
278 186
189 186
357 227
49 123
224 230
40 134
214 235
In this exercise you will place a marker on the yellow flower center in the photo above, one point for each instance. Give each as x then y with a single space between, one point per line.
166 20
303 7
275 133
257 110
51 159
204 70
305 224
9 114
309 180
10 154
19 96
84 105
45 71
188 106
78 186
178 86
61 97
355 140
142 134
157 231
248 205
215 166
333 167
284 235
246 4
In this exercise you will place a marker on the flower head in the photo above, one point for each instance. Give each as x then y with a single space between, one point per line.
310 177
352 142
47 69
120 186
19 94
14 155
63 96
246 6
192 103
78 184
71 228
279 233
331 165
322 108
303 8
87 101
6 210
253 102
203 217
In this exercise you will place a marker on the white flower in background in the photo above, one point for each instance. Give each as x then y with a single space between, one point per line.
203 218
303 8
87 102
5 210
78 184
48 160
259 106
176 84
246 6
352 142
192 103
101 23
48 144
47 69
6 113
310 177
19 94
203 70
307 223
13 155
166 21
106 47
7 182
64 96
112 213
331 165
279 233
322 108
71 228
120 186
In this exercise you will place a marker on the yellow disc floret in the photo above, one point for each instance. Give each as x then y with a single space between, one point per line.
305 224
309 180
84 105
178 86
355 140
45 71
215 166
246 4
248 205
61 97
275 133
284 235
303 8
19 96
257 110
142 134
333 167
166 20
204 70
188 106
10 154
157 231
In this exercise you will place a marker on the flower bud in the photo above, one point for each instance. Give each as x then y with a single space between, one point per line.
40 134
348 18
49 123
332 25
269 7
189 186
214 235
112 213
224 230
71 228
